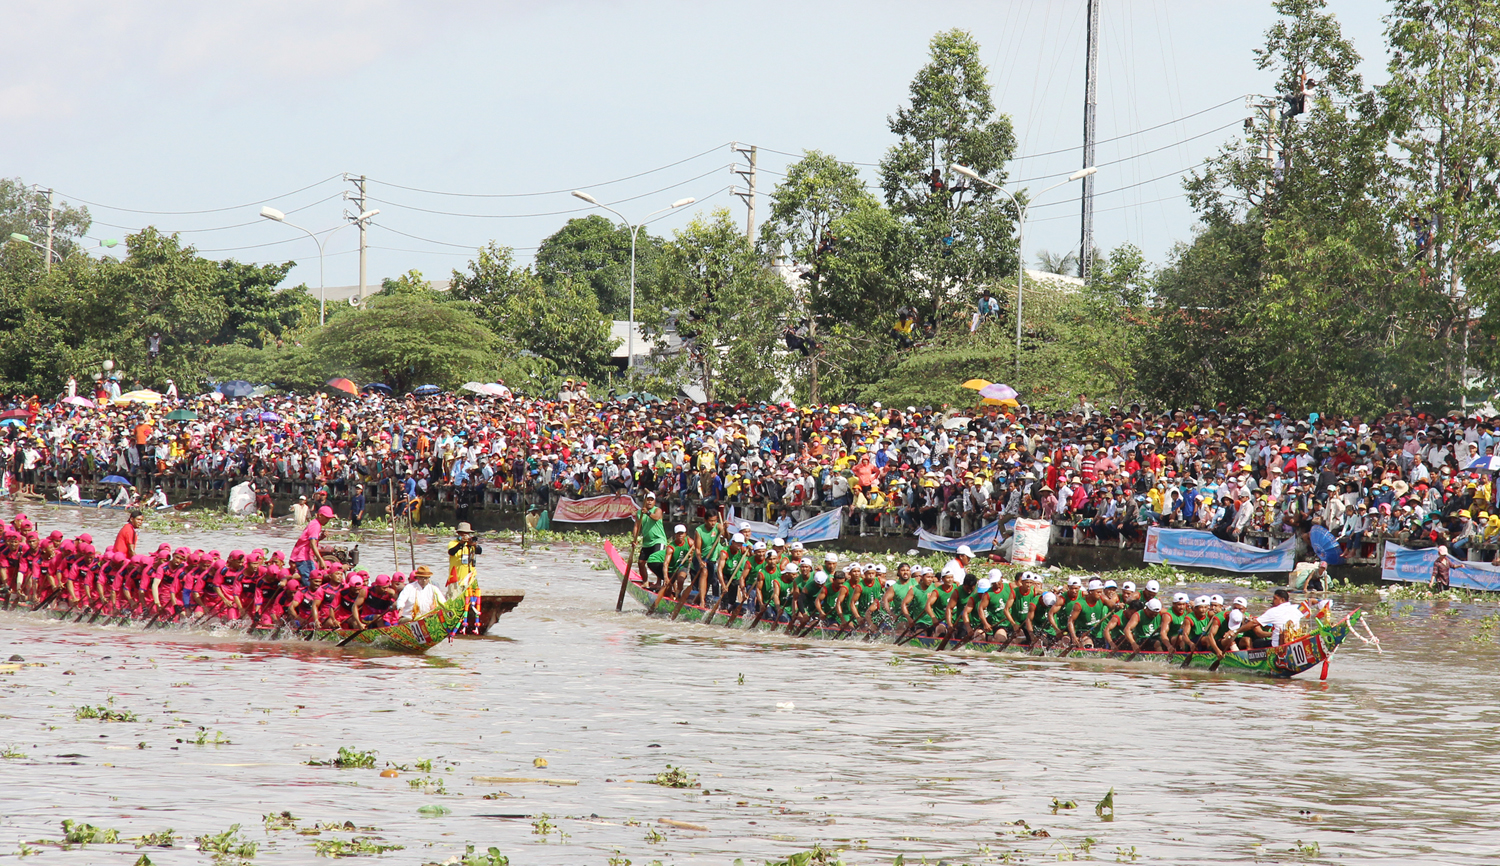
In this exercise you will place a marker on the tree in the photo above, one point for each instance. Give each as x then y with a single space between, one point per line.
23 210
595 251
728 309
839 241
1443 102
557 321
406 340
1052 263
954 236
1298 290
256 313
1106 330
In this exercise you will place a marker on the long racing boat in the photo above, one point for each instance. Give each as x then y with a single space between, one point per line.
1287 660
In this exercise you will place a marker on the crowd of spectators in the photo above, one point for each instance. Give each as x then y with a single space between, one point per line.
1106 473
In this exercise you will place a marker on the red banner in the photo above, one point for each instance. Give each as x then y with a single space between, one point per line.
595 509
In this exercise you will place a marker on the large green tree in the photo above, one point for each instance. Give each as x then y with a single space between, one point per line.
558 321
955 236
728 309
1443 103
1299 289
838 240
407 340
595 251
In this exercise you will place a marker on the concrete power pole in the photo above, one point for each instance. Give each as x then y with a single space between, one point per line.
1090 101
51 226
358 197
749 196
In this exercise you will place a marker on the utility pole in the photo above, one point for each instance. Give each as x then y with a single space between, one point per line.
51 226
749 175
358 197
1090 101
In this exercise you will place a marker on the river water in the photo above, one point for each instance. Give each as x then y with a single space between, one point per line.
866 748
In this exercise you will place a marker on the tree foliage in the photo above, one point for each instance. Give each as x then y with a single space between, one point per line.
955 237
596 252
558 321
407 340
23 210
727 307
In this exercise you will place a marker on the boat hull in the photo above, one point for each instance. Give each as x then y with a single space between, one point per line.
1280 662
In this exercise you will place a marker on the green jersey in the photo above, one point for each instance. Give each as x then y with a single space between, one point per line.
733 563
899 593
1021 605
710 542
1147 626
869 595
1091 617
1198 627
940 600
916 607
682 555
652 530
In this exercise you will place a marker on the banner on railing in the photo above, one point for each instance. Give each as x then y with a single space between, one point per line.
984 538
1198 549
1032 539
827 526
595 509
1415 566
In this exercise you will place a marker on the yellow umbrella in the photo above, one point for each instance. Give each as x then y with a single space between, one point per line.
143 396
974 384
992 402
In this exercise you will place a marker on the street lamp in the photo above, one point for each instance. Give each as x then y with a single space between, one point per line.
630 334
26 239
272 213
1021 209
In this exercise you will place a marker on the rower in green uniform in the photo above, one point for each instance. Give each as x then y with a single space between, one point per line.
1143 628
1202 625
1086 619
680 562
1045 630
919 607
736 563
1174 627
869 598
708 547
941 597
897 592
653 538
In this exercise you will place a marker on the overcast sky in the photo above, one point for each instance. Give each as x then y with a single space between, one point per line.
216 108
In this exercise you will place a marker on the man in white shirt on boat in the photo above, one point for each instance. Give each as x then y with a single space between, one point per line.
958 566
69 492
420 597
1267 628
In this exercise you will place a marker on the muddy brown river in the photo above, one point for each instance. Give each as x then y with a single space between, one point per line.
873 750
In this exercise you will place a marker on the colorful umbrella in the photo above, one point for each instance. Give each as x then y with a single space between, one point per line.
974 384
342 385
79 401
145 395
270 417
1481 464
998 392
14 413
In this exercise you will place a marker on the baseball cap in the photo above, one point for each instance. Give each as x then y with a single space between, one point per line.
1096 583
1128 586
1154 605
983 585
1200 601
1235 620
1180 598
1239 601
1075 581
325 511
1109 584
830 556
1216 599
679 528
738 537
963 550
1049 598
1153 586
759 546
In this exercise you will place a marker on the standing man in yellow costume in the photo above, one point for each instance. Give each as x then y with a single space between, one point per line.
463 553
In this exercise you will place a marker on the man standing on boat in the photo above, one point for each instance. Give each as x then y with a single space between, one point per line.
651 534
306 553
125 540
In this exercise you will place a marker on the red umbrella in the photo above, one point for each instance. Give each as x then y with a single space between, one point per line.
344 385
14 413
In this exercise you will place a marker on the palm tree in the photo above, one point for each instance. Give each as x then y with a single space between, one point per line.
1065 264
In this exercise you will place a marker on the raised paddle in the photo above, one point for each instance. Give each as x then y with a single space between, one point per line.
625 578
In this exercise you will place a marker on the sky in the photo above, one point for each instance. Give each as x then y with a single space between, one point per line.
473 120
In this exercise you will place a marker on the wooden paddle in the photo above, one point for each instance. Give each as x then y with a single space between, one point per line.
683 591
43 603
661 593
625 578
411 542
353 636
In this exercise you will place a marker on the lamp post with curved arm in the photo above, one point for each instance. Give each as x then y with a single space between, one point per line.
272 213
634 229
1021 209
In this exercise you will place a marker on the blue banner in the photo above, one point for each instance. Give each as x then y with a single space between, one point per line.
827 526
983 538
1325 546
1415 566
1197 549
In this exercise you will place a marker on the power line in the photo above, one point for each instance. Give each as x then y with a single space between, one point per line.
546 213
191 212
554 191
223 228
